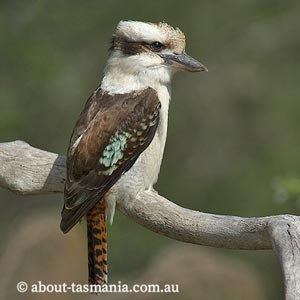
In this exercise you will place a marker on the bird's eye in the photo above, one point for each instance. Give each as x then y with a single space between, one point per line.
157 46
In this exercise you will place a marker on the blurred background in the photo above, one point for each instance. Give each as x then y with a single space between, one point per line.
233 143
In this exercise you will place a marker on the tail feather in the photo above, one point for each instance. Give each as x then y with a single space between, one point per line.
97 245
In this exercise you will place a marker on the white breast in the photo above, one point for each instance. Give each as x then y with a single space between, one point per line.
148 164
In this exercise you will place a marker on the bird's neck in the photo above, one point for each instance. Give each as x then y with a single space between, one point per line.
120 78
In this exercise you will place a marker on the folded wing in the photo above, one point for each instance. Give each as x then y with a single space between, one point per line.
109 136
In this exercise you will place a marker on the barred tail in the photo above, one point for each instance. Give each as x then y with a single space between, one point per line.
97 245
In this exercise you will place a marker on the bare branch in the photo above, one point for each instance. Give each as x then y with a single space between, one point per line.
285 235
27 170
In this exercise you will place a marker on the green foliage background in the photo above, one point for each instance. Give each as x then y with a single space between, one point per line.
232 131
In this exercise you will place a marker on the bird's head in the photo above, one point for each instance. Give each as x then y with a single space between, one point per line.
148 50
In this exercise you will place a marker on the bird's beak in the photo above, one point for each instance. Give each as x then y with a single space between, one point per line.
183 62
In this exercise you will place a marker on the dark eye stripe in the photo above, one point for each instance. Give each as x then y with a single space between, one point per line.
132 48
155 46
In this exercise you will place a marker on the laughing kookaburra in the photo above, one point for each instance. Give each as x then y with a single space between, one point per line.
117 145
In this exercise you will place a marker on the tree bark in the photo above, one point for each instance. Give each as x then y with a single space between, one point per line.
27 170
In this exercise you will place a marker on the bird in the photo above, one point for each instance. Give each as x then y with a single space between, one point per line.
117 144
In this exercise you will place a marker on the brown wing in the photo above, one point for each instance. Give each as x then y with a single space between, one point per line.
111 133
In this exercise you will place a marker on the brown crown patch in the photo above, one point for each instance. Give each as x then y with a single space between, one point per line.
175 38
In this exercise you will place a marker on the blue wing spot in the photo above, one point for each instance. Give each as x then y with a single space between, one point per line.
152 123
113 152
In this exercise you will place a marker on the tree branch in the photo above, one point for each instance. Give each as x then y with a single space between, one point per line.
27 170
